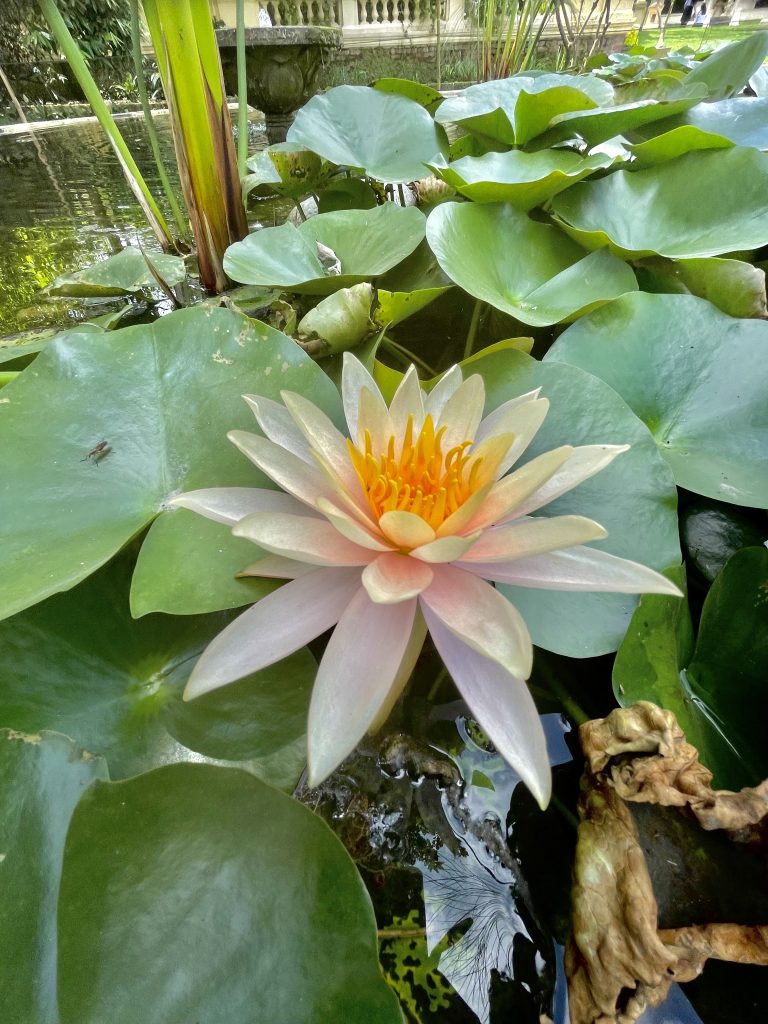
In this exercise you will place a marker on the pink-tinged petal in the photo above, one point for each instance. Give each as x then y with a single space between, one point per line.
393 577
526 537
355 679
302 538
463 412
445 549
523 421
406 529
465 514
375 420
298 478
577 568
444 390
480 617
582 464
408 402
503 706
509 493
277 424
404 672
230 504
273 628
326 442
350 527
277 568
355 377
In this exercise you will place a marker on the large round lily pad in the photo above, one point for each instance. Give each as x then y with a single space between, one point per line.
523 179
124 273
161 397
387 136
634 498
43 777
526 268
366 243
737 122
696 377
513 110
207 896
676 220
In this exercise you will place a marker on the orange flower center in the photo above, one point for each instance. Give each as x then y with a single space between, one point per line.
418 478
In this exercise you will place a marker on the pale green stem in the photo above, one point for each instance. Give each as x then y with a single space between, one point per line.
141 85
574 711
242 93
395 346
71 51
474 323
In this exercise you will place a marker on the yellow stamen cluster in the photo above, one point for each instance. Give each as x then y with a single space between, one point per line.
418 478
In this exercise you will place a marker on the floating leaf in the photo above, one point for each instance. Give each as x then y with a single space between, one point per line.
389 137
43 777
523 179
712 532
674 222
367 242
726 71
347 194
122 274
738 122
523 267
247 904
163 396
424 95
696 377
516 109
288 170
78 663
735 287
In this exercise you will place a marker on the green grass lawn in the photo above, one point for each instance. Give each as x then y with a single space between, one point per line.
696 37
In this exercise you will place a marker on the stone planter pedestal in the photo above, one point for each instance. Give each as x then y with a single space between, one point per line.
281 67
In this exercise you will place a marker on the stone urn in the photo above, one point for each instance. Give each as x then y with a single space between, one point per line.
281 67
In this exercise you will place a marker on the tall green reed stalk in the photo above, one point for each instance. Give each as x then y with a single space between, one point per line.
509 35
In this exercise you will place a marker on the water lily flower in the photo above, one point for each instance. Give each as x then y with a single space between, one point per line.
403 527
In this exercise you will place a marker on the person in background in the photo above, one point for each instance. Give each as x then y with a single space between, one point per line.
702 18
688 9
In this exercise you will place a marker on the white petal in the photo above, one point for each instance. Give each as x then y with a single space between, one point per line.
230 504
404 672
445 389
375 419
303 481
277 424
490 424
277 568
351 527
525 537
355 679
408 401
503 706
577 568
393 577
406 529
303 538
585 461
479 616
522 420
509 493
355 377
463 412
273 628
328 443
445 549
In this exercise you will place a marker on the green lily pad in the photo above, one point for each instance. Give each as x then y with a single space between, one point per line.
43 777
347 194
288 170
674 142
726 71
696 377
675 221
23 345
78 663
161 397
424 95
711 532
417 272
389 137
737 122
366 242
516 109
596 126
523 179
716 690
123 274
341 320
525 268
248 908
394 307
735 287
634 498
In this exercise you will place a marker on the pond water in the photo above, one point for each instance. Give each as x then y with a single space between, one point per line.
64 204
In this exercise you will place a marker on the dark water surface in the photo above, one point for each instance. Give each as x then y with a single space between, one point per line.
64 204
